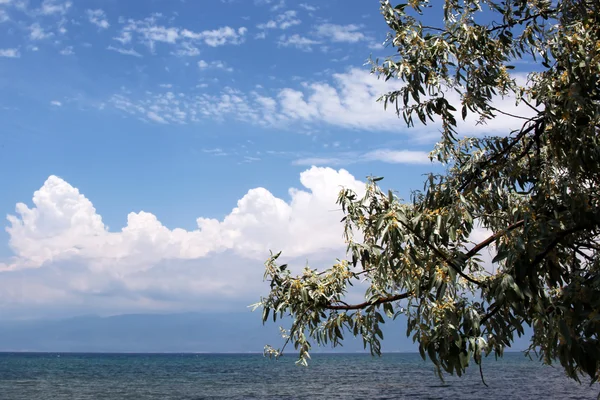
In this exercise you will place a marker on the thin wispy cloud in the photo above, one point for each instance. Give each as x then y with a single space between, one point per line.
389 156
308 7
51 7
150 32
67 51
98 18
341 33
283 21
214 65
298 42
126 52
10 53
37 32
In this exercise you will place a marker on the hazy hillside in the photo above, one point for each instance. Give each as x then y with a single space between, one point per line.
190 332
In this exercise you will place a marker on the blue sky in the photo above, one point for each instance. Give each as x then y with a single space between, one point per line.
154 151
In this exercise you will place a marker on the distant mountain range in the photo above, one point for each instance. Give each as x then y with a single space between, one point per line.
177 333
172 333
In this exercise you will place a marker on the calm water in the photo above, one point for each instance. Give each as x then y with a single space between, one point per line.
250 376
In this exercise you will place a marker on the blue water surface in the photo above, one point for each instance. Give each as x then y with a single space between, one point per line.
29 376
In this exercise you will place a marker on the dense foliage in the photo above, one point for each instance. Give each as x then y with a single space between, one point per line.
534 190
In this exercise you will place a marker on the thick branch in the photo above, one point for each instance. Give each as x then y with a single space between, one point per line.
367 303
491 239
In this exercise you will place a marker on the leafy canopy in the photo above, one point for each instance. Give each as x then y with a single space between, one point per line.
534 190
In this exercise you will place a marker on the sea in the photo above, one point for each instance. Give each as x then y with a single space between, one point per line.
57 376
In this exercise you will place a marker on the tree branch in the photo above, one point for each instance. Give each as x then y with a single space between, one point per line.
490 314
559 236
485 163
519 21
367 304
443 256
509 114
492 238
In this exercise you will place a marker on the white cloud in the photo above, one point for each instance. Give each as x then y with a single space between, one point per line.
127 52
155 117
4 16
308 7
346 100
38 33
275 5
297 41
125 37
67 51
56 103
50 7
284 20
222 36
214 64
341 33
381 155
398 156
349 101
149 32
98 18
186 49
10 53
69 252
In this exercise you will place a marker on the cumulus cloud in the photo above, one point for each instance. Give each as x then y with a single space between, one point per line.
69 252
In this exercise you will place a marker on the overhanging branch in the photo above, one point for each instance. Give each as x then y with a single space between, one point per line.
367 303
491 239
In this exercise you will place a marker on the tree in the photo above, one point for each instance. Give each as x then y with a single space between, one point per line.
534 189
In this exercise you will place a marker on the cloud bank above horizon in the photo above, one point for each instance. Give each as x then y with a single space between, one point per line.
65 253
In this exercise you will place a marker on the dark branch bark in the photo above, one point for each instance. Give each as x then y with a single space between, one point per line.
525 129
490 314
367 304
520 21
492 238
